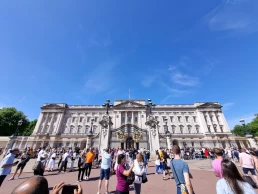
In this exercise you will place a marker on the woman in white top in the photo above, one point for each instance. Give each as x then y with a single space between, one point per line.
232 182
138 170
51 163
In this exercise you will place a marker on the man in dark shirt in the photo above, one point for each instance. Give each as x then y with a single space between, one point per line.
24 159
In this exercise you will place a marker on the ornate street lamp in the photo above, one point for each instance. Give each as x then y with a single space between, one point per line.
247 134
166 126
90 132
149 107
107 105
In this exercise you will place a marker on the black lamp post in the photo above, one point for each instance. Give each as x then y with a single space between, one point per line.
90 133
149 107
166 126
107 105
247 134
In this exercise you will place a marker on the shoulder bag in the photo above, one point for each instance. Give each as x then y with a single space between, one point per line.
182 186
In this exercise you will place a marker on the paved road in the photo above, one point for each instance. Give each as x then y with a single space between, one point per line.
204 181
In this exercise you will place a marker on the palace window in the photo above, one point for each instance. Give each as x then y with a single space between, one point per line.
73 120
157 118
211 118
181 128
194 118
135 119
189 127
122 119
79 129
71 129
173 129
129 119
209 128
81 119
215 128
164 118
179 119
205 118
96 119
88 119
55 118
87 128
201 143
192 143
221 128
197 128
187 119
67 144
172 119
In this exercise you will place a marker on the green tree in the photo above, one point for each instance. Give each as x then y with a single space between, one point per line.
28 131
9 118
253 127
239 130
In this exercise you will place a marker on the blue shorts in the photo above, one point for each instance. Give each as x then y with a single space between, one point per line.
246 170
104 173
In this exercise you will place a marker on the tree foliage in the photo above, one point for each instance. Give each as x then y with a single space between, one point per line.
28 131
9 118
251 127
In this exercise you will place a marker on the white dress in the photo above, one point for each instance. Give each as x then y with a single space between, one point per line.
51 163
72 161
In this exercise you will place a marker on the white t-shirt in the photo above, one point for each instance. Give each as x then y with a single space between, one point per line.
65 156
53 156
42 152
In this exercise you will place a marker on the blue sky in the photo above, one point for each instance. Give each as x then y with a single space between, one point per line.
83 52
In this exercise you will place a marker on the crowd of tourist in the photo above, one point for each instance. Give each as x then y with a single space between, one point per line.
131 167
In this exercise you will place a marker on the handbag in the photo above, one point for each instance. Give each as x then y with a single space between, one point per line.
144 178
182 186
37 166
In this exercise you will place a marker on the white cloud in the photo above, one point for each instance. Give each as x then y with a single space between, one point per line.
171 68
101 78
228 105
148 80
235 15
185 79
235 121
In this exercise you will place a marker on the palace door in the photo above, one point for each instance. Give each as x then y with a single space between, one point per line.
129 143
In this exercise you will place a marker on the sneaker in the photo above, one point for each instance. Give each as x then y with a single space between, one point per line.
10 179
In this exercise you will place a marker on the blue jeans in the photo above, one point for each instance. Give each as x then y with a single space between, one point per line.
178 190
159 167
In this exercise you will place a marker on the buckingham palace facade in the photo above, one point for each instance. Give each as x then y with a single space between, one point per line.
131 124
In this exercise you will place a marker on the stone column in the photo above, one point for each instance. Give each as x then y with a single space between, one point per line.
202 122
59 122
168 142
216 122
225 124
210 123
252 142
39 122
88 143
132 120
125 116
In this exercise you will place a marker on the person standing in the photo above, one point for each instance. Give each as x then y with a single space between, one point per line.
64 161
216 164
158 163
73 158
247 163
81 167
180 172
7 164
24 159
51 163
89 160
138 170
232 182
122 187
105 170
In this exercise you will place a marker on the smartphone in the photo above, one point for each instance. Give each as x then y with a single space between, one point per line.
16 162
69 189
